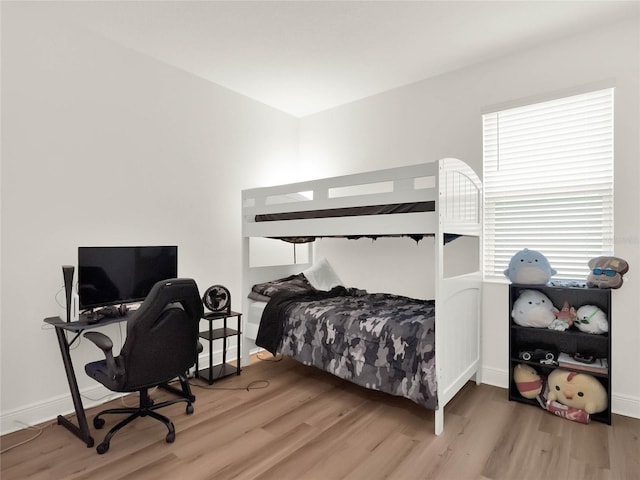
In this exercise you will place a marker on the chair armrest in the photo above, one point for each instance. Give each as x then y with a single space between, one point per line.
105 344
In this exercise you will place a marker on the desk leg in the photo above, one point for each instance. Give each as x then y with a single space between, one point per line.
82 430
238 346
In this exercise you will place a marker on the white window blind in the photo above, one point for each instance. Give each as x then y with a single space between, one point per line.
548 183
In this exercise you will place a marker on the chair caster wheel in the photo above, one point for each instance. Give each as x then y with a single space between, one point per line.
98 422
171 436
102 448
189 409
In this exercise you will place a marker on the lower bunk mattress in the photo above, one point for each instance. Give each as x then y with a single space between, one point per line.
379 341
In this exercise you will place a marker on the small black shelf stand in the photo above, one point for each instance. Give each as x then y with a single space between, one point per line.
570 341
215 372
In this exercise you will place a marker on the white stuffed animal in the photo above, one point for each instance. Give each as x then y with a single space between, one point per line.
591 319
533 309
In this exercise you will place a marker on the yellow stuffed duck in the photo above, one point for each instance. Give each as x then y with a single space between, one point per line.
577 390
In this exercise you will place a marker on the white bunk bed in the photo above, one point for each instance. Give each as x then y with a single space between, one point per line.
451 192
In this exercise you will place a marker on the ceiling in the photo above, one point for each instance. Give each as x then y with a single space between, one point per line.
306 56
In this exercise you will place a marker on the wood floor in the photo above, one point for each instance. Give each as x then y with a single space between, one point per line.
310 425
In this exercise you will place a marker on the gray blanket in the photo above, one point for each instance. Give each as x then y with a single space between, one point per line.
379 341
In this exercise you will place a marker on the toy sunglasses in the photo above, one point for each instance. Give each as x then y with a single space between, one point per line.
608 272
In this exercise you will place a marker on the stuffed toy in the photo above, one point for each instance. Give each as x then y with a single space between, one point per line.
529 267
606 272
591 319
577 390
570 413
564 318
558 409
533 309
528 381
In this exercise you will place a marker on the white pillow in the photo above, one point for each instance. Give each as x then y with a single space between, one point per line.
321 276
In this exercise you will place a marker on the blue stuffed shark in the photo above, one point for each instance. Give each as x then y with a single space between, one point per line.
529 267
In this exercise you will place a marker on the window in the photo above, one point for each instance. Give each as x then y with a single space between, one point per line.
548 182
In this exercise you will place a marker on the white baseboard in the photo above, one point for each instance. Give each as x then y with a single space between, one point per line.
625 405
49 410
620 404
495 377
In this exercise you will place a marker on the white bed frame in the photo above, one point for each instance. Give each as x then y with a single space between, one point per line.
457 193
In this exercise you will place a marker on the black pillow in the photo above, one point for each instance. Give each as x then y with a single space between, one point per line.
294 283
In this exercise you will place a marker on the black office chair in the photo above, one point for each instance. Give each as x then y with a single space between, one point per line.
161 344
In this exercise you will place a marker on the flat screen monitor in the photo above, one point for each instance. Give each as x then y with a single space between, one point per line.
117 275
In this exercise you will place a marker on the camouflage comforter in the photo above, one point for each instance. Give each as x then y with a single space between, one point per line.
379 341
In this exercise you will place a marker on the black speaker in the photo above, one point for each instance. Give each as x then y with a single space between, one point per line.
67 273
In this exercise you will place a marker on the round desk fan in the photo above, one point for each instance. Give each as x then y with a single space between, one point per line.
217 299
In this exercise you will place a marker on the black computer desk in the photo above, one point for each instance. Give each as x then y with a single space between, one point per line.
61 327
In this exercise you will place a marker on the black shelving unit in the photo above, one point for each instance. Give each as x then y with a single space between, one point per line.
570 341
214 372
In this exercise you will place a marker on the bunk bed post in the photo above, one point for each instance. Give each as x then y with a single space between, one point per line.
439 420
478 375
246 288
438 271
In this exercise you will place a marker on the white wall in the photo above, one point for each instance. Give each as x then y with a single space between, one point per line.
441 117
103 146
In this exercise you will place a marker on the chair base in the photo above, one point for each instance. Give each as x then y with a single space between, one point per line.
146 409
